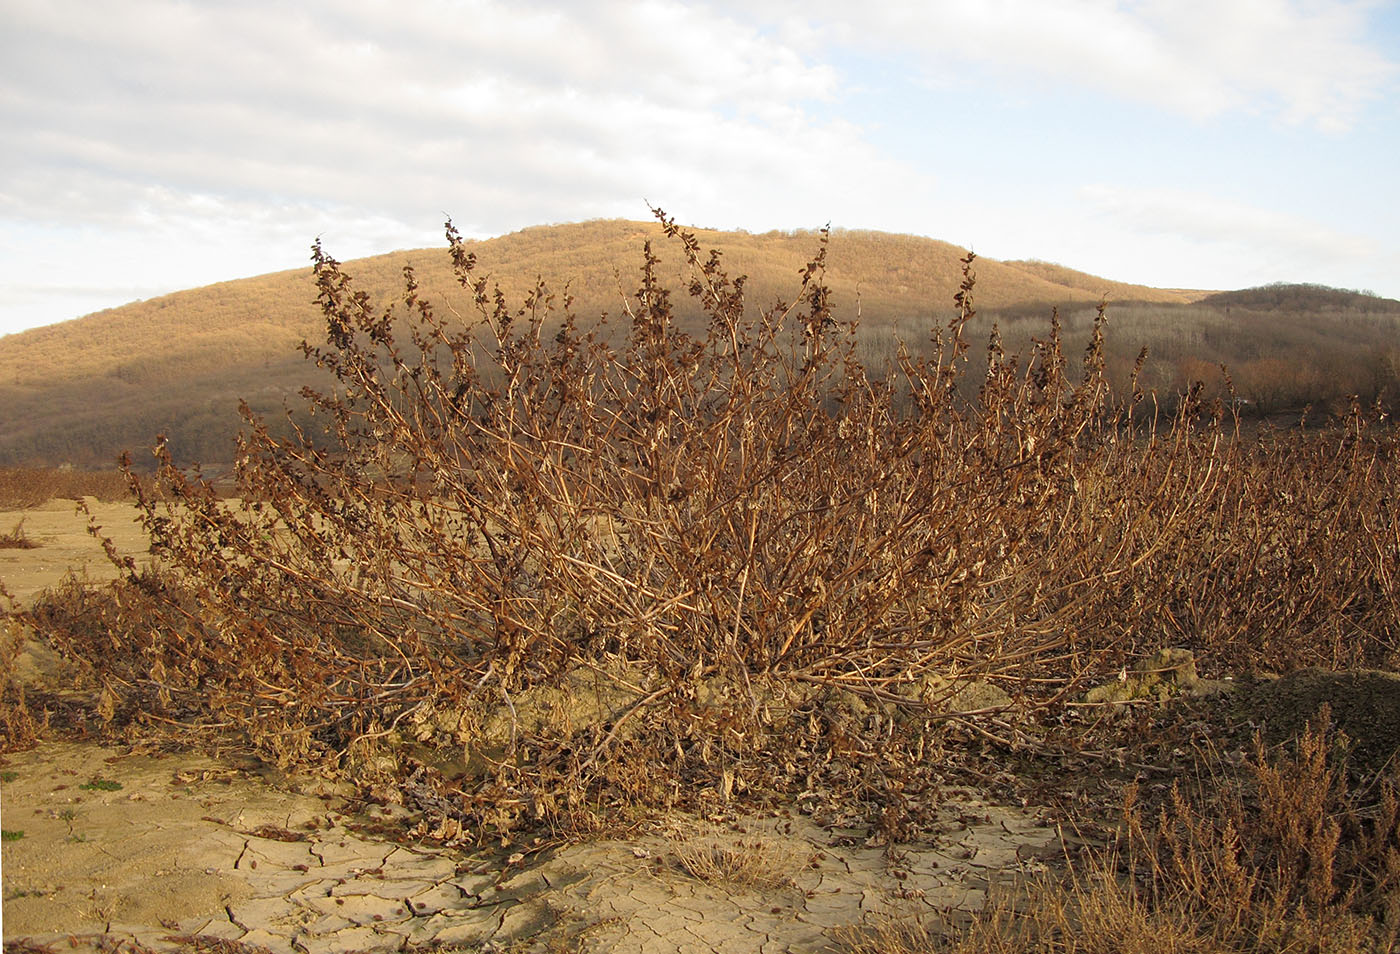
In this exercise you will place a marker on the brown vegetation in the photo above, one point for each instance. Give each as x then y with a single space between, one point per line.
1277 360
20 724
83 391
736 859
24 487
748 558
1303 297
523 571
16 539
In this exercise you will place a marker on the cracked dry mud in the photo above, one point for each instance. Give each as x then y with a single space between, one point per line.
192 846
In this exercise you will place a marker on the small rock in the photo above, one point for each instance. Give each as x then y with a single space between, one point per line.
942 694
1165 673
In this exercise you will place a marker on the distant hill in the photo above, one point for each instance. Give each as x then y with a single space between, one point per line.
1281 296
82 391
1100 288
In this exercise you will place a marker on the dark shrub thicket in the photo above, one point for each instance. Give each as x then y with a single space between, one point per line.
25 487
634 563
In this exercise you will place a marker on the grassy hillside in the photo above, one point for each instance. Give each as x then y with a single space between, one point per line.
82 391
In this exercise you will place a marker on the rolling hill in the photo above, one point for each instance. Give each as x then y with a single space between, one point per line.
81 391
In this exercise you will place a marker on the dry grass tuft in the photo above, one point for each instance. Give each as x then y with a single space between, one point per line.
735 859
1092 914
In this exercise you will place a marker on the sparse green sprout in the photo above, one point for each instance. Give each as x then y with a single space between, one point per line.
101 785
10 834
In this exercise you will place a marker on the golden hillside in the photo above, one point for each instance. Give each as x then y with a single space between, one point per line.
82 390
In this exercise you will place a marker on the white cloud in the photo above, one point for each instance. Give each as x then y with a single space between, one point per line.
1214 225
183 142
1306 61
151 118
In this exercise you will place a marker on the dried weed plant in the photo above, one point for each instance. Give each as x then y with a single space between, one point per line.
1296 856
531 571
1290 855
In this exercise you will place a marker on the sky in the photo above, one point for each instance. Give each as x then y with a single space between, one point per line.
148 146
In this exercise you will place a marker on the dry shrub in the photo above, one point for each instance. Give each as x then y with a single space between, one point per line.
766 548
24 487
16 539
20 725
109 636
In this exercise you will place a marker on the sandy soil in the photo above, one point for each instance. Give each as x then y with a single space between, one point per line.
64 544
150 848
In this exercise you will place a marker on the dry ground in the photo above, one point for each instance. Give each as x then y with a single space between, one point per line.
63 544
197 846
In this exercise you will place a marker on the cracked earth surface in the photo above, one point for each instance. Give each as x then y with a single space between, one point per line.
192 846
